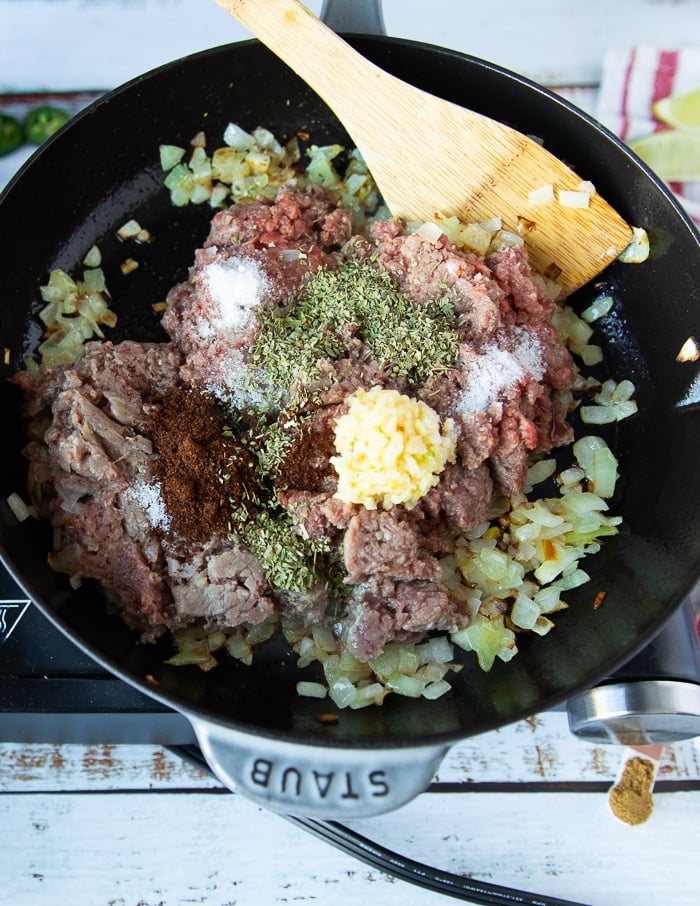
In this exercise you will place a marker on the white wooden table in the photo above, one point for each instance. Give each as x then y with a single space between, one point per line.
525 806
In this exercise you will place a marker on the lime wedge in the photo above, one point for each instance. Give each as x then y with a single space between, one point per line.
682 111
673 155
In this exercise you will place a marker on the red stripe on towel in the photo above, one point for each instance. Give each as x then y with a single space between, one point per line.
624 121
664 76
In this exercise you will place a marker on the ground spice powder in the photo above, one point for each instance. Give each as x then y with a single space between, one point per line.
199 469
307 465
631 798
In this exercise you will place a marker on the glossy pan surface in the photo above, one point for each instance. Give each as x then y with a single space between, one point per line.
103 169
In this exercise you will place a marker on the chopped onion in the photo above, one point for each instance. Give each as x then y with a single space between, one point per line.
238 138
591 354
239 648
584 448
436 689
638 250
607 414
410 686
320 169
475 237
450 226
374 694
598 463
94 280
604 472
170 155
291 254
542 626
93 258
128 266
342 691
324 638
525 612
547 599
307 652
395 658
19 508
436 650
311 690
541 471
355 181
569 199
199 657
492 224
504 239
430 231
571 578
218 196
598 309
129 230
570 477
541 196
689 351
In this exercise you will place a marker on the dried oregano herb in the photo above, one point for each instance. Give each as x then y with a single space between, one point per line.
355 302
291 562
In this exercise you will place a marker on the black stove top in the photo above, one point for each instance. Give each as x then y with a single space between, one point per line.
51 691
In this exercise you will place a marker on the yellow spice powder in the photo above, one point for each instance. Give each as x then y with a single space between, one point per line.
631 798
391 449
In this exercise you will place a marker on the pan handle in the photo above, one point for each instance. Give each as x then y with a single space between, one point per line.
364 17
316 781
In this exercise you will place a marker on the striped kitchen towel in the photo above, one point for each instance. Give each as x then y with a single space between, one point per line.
632 80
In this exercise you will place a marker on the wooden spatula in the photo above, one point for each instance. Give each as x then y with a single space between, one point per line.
429 156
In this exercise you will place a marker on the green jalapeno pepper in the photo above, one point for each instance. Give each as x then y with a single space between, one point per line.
11 134
41 123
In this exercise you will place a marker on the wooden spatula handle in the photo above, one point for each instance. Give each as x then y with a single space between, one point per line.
315 52
431 158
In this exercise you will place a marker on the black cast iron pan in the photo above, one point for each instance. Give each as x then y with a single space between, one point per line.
103 169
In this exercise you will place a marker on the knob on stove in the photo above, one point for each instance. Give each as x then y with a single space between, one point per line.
654 698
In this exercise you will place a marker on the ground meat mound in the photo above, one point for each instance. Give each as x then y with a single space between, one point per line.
503 395
96 462
289 239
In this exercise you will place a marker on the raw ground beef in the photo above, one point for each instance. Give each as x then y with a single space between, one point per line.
98 463
289 240
502 395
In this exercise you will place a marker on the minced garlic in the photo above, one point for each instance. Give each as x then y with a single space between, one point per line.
391 449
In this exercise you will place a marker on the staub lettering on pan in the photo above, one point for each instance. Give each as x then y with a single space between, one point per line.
295 782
